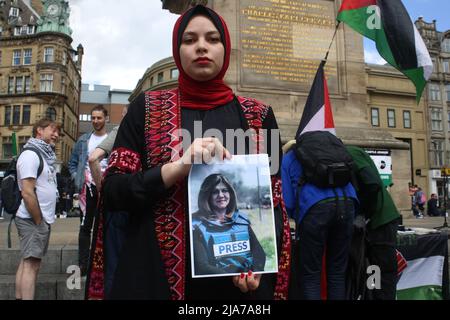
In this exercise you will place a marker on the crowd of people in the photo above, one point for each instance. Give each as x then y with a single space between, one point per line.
133 241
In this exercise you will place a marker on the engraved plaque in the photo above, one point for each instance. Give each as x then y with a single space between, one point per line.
283 41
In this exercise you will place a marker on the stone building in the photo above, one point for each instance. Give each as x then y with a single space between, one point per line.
40 73
437 103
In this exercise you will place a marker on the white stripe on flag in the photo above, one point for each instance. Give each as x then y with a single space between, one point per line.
423 57
422 272
317 123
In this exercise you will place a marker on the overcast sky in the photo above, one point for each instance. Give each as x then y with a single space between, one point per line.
122 38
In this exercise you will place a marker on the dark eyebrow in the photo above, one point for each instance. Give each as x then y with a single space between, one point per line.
191 33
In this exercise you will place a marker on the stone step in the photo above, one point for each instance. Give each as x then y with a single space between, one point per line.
56 261
48 287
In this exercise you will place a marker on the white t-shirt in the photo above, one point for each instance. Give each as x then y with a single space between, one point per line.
94 141
46 186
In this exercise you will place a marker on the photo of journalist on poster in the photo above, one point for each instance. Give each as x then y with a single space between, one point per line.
232 226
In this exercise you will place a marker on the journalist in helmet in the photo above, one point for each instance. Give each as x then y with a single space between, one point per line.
223 239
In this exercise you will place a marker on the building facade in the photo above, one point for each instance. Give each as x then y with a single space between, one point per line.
40 73
113 100
437 101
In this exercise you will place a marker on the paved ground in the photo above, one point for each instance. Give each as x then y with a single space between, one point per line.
65 231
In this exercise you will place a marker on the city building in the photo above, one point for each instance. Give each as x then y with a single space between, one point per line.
437 101
113 100
40 73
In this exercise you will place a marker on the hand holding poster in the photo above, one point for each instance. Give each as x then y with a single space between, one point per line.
232 227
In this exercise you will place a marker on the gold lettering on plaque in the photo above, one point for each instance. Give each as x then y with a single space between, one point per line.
283 42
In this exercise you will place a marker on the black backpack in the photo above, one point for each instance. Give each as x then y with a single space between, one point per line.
10 192
325 160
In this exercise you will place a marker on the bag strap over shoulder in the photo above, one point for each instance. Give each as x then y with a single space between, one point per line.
41 160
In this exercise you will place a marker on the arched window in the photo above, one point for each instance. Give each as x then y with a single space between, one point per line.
50 113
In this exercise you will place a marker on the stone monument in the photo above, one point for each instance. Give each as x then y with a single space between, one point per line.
277 46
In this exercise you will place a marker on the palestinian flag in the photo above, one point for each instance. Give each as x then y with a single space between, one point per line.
397 39
422 279
317 115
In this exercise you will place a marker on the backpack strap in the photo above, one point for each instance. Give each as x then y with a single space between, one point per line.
41 160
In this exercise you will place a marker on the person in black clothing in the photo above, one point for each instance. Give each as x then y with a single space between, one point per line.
148 168
219 223
432 206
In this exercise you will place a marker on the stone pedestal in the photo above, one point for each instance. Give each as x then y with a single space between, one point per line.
277 46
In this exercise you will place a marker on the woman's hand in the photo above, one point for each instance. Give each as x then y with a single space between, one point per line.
202 150
247 282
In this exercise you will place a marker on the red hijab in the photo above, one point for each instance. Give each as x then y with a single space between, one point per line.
202 95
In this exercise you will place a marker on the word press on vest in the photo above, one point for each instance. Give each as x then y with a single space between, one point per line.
223 249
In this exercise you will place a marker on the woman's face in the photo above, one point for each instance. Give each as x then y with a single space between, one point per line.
201 50
220 197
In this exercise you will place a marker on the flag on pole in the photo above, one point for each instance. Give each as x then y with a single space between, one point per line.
14 144
318 114
396 37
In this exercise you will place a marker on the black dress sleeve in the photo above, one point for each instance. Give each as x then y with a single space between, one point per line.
128 183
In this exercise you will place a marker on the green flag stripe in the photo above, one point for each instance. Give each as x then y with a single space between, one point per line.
420 293
358 20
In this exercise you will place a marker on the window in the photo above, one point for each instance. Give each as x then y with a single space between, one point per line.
446 45
375 117
448 113
30 30
19 85
11 85
446 65
14 12
27 53
7 147
27 84
433 60
64 57
438 152
63 85
7 115
436 119
407 119
22 141
16 115
51 113
17 31
447 90
174 73
151 82
391 118
85 117
160 77
48 55
46 82
435 93
26 114
16 57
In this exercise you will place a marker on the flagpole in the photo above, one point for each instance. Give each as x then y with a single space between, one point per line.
324 61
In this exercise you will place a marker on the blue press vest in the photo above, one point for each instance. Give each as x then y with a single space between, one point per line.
228 243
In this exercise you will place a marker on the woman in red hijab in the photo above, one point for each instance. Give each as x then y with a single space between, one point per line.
148 168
